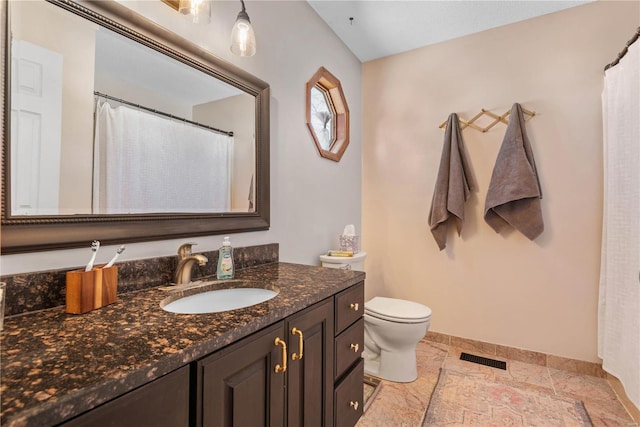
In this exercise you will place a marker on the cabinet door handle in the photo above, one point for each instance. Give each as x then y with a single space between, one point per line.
354 347
354 306
354 405
283 367
296 331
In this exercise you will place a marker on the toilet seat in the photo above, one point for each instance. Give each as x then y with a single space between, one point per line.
397 310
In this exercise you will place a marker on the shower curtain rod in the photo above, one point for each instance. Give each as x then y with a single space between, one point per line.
182 119
624 51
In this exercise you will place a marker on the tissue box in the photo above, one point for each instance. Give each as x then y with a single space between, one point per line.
88 290
349 243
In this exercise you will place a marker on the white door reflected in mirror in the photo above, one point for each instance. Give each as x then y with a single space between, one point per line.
36 111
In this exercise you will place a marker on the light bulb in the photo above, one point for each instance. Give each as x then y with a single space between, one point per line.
184 7
243 38
200 10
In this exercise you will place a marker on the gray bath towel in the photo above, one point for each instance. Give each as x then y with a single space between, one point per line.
514 194
452 184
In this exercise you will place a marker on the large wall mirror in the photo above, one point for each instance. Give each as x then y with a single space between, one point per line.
116 129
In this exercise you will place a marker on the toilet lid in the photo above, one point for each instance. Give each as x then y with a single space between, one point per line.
397 310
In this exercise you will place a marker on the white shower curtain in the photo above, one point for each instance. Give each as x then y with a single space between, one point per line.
619 299
144 163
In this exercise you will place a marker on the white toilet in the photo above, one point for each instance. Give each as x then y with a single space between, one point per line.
355 262
392 330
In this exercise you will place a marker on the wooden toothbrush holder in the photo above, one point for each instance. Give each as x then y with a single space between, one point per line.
88 290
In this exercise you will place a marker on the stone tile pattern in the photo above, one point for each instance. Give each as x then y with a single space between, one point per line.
57 365
42 290
406 404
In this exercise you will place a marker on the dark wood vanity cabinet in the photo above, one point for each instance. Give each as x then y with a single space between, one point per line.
246 383
239 385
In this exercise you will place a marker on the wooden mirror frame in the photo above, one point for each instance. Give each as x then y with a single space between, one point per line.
37 233
331 87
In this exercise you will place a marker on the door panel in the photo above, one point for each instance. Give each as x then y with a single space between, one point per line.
161 403
238 386
310 391
36 123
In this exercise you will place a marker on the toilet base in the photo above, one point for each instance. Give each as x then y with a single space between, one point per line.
372 367
397 366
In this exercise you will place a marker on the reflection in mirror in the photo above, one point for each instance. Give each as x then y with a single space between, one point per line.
327 115
322 118
155 151
117 129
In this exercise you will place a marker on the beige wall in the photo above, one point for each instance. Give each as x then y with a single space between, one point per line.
77 49
235 113
503 289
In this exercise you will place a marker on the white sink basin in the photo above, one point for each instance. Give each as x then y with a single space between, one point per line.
219 300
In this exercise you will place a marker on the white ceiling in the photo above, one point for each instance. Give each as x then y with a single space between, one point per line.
386 27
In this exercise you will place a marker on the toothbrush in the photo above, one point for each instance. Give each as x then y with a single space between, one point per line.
95 245
115 257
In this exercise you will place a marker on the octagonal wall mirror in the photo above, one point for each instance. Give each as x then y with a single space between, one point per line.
327 115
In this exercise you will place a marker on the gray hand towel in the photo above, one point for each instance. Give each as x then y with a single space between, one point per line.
514 193
452 184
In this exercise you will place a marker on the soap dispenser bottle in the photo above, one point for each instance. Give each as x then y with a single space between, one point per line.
225 260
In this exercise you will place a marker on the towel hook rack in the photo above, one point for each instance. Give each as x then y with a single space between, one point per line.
496 119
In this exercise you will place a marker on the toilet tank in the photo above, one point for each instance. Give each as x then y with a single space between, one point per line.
355 262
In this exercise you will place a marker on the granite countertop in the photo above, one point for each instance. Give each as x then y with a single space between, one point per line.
56 365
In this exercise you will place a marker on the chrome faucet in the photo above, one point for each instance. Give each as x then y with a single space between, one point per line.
186 260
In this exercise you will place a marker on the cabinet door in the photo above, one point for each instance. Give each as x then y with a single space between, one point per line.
238 385
310 378
162 402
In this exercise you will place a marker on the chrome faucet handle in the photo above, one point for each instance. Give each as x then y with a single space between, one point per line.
185 250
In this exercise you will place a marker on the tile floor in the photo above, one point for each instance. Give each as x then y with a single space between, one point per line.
398 404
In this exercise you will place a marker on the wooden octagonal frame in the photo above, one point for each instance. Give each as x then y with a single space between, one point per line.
331 87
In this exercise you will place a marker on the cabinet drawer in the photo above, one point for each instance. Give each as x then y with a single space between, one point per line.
349 306
349 397
349 347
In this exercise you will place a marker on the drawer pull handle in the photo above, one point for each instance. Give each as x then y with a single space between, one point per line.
354 347
296 331
354 405
283 367
354 306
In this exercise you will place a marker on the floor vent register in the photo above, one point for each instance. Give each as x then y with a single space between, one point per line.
483 361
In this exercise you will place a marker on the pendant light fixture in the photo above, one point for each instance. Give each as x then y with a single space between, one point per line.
243 38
